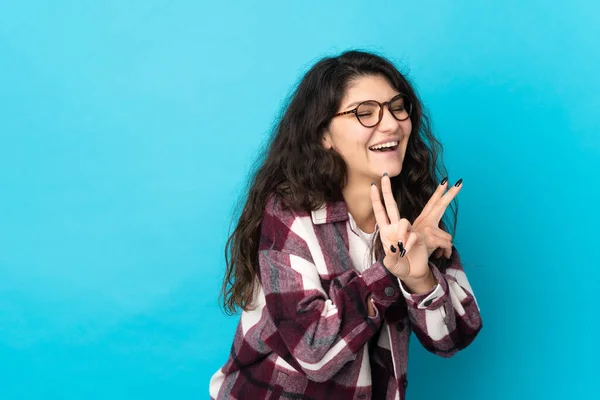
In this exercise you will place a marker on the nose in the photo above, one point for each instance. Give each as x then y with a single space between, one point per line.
388 123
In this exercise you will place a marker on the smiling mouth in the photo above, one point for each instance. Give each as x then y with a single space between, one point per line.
385 147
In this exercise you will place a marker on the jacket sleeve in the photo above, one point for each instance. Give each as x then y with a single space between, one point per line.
314 330
447 318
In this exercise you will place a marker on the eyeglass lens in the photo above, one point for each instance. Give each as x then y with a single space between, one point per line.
369 113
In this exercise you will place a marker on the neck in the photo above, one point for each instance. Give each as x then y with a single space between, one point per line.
358 201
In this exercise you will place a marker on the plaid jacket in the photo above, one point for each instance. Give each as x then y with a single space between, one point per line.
309 335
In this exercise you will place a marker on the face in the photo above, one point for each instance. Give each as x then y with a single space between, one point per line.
358 145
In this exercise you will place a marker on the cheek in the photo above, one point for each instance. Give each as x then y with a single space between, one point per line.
406 129
407 126
362 142
354 139
362 136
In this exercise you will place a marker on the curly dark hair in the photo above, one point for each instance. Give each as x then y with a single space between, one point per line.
296 167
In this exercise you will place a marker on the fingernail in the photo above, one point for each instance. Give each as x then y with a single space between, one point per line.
402 249
392 248
457 184
444 181
385 174
372 183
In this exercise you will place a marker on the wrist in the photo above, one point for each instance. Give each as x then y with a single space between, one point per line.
421 285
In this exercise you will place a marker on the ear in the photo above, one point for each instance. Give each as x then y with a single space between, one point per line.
326 141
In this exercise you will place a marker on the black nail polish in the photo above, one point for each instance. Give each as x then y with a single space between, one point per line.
385 174
372 183
392 248
402 252
400 246
444 181
457 184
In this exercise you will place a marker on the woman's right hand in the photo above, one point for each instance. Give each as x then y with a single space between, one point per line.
406 253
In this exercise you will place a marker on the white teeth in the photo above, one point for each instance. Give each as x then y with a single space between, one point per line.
384 145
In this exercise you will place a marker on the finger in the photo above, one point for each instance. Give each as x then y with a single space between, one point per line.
403 234
388 197
448 252
432 236
435 196
392 255
451 193
441 234
391 250
432 231
439 243
380 214
441 205
439 252
410 241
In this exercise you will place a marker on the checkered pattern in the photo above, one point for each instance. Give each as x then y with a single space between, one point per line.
309 335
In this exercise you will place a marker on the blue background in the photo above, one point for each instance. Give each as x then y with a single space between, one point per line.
127 130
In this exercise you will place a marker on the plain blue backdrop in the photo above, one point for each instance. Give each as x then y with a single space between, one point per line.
127 130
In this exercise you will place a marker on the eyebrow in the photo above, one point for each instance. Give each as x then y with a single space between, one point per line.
354 104
360 101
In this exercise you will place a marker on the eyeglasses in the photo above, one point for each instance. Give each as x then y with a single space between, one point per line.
370 113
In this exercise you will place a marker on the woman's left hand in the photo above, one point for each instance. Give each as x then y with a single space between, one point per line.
427 223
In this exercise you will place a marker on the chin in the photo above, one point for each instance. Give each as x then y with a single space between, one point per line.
391 170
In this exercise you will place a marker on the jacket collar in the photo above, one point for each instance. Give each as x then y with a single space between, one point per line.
330 212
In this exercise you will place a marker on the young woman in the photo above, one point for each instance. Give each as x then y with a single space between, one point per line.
340 251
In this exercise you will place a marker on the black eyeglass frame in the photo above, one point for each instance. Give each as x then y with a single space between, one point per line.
381 105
